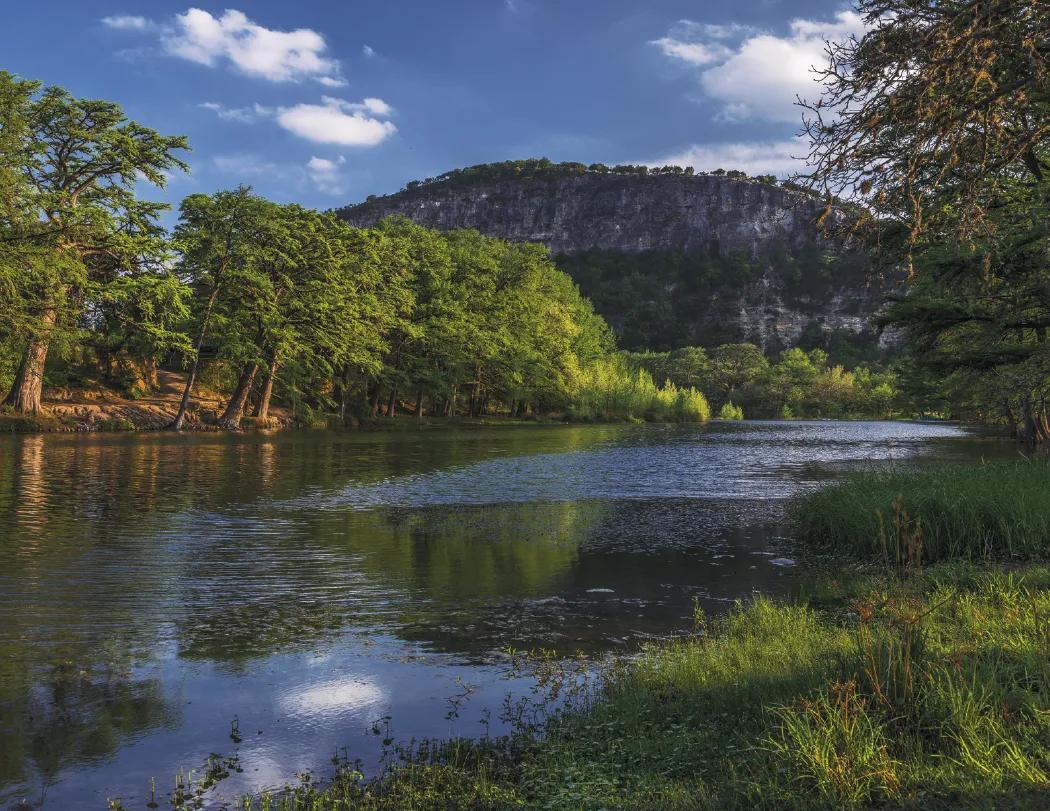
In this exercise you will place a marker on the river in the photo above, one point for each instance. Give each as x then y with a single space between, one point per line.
162 596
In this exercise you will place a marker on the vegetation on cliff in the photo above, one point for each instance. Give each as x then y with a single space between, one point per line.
665 299
545 169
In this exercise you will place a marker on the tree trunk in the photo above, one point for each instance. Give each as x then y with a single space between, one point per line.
373 400
26 395
344 393
391 406
231 418
180 415
262 410
419 403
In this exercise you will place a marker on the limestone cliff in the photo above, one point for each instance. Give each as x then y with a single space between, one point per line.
680 232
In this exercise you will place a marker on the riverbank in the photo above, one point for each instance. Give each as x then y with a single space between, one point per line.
931 692
103 409
886 683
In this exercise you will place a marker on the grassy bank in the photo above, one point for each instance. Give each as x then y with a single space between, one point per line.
930 692
999 510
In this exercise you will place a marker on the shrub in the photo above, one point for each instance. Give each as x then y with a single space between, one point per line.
728 411
612 389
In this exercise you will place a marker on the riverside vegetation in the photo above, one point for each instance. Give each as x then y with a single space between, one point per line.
260 303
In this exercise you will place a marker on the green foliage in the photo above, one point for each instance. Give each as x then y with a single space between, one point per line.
797 383
660 300
545 169
728 411
999 510
75 241
612 389
930 142
977 318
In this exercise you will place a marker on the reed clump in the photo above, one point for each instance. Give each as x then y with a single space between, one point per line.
991 511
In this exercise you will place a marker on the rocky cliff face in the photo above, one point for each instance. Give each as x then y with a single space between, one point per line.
705 213
792 286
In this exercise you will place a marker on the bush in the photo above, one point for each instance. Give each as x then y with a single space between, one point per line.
612 390
728 411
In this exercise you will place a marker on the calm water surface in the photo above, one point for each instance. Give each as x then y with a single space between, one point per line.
153 588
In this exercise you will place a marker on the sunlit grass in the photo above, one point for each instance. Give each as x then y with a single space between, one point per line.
999 510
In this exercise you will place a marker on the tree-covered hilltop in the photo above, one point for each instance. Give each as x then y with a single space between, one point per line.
544 168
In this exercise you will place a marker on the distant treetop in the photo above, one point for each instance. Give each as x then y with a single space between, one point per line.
543 168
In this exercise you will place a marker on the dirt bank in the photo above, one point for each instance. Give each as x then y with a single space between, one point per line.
100 409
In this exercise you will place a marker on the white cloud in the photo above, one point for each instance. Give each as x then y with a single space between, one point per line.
376 107
695 53
761 75
753 157
243 115
368 51
127 21
334 121
326 174
236 40
339 122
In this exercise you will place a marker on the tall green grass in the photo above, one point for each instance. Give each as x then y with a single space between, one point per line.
999 510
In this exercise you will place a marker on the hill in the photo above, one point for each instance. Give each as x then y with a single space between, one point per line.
669 257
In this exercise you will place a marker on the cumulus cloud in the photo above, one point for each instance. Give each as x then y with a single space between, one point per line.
336 121
760 75
752 157
368 51
235 40
326 174
333 121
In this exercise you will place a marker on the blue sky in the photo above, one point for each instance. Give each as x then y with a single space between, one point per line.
324 102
